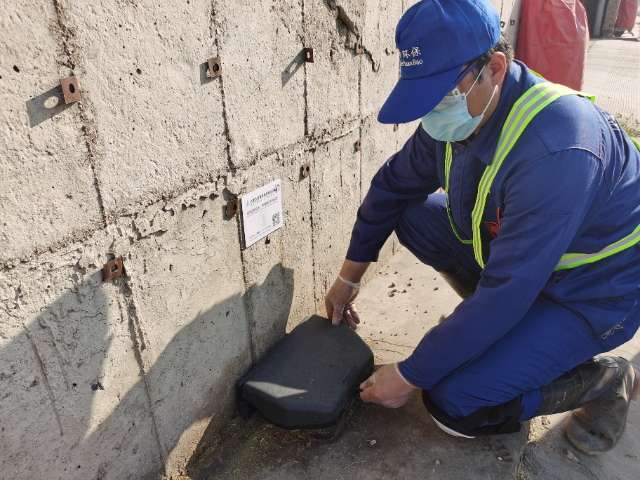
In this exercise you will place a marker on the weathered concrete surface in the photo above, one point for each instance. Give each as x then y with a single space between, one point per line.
335 197
380 65
46 181
71 401
187 289
278 270
156 121
142 167
407 441
332 90
261 47
379 143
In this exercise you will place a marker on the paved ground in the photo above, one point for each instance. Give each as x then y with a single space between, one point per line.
613 76
374 442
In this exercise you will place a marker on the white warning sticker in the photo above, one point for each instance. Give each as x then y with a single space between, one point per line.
262 212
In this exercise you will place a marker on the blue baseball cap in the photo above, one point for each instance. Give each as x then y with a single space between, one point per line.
436 38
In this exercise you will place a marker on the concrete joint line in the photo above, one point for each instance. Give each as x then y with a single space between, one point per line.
313 247
216 42
303 41
245 298
88 128
65 33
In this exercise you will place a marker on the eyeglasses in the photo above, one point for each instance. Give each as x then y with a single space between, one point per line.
464 73
454 90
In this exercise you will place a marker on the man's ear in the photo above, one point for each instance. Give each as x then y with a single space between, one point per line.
497 67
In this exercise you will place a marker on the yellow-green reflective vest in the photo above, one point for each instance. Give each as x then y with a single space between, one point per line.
523 111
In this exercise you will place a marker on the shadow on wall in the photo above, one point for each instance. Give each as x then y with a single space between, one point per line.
71 389
45 106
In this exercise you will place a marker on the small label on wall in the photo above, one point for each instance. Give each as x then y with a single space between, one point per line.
262 212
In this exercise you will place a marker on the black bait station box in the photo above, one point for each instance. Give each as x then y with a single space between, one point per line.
309 379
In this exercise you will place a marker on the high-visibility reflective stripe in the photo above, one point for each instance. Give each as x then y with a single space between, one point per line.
573 260
523 111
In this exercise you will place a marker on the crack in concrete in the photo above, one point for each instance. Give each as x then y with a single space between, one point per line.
45 377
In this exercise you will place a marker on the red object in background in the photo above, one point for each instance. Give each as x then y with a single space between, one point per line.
554 39
627 14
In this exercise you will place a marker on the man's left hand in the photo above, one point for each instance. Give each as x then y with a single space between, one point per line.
387 387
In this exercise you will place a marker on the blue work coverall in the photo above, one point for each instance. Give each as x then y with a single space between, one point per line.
571 184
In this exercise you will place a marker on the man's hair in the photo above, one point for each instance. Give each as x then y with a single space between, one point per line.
503 46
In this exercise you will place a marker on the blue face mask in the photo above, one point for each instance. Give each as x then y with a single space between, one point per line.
450 120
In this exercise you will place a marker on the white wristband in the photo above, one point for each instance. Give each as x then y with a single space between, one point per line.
402 377
351 284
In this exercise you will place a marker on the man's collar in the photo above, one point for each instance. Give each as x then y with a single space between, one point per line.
484 145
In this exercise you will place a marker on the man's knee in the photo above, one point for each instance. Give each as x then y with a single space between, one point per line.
421 218
451 396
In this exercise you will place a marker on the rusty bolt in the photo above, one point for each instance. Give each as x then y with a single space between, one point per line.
112 269
215 67
306 169
359 145
70 89
233 207
359 49
308 55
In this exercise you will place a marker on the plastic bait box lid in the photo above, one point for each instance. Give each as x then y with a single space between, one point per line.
309 379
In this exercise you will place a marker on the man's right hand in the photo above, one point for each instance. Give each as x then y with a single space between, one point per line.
339 301
340 305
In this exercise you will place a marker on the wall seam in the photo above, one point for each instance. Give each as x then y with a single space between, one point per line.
66 35
246 299
306 98
82 235
225 120
361 130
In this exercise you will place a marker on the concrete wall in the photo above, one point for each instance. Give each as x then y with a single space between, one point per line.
120 379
